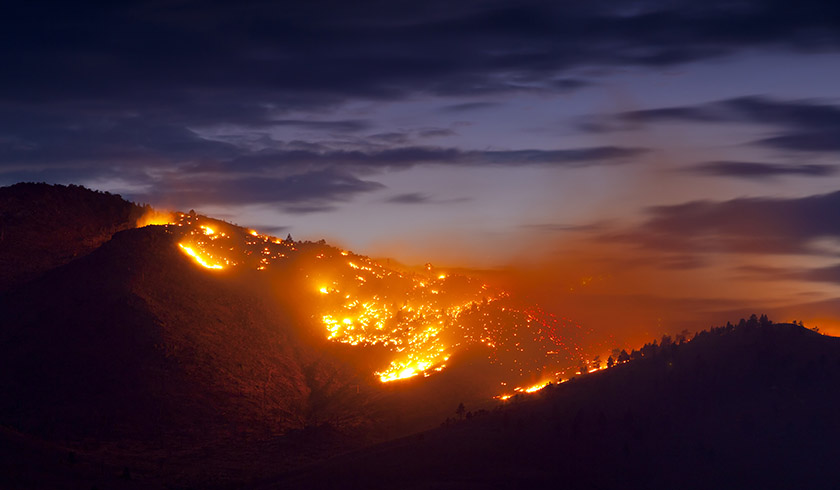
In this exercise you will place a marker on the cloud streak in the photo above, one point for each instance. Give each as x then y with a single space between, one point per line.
744 225
807 125
299 193
324 52
757 170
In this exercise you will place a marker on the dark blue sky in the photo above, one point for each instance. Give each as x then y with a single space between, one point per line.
688 138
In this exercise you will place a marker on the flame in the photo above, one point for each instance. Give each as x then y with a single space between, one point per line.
528 389
153 217
536 387
532 388
422 318
189 251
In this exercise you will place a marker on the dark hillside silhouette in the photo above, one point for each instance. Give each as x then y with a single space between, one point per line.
43 226
132 354
738 407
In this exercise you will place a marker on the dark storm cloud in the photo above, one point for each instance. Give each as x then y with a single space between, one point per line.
569 84
436 133
754 109
308 208
757 170
469 106
394 137
708 113
410 156
808 125
420 198
348 126
410 198
574 157
819 140
141 152
318 52
405 137
305 192
127 88
750 225
105 141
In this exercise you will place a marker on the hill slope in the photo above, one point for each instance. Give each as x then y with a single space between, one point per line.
745 408
132 349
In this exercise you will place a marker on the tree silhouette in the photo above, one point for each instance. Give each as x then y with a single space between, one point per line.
460 410
623 356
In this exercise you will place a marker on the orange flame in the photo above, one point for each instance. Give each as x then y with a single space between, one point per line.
422 318
199 260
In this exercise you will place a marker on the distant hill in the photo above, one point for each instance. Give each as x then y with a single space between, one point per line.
745 407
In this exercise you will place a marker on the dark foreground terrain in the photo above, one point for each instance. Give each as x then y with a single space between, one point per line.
748 407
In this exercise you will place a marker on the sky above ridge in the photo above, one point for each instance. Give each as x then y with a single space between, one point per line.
668 149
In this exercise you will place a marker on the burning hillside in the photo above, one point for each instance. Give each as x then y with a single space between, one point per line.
421 318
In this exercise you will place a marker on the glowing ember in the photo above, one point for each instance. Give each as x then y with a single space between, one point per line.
421 318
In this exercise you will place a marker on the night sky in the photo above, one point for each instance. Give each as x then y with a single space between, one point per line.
677 154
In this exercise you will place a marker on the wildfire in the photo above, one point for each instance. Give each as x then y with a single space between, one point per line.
421 317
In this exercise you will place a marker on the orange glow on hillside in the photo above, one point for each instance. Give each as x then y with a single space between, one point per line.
420 318
534 388
526 390
152 217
